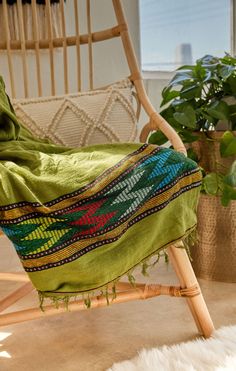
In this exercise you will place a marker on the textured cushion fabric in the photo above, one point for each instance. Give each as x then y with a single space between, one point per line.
86 118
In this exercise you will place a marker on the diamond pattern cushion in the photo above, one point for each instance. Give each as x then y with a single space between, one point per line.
81 119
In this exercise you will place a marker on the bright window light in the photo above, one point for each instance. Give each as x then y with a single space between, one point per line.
3 336
178 32
4 354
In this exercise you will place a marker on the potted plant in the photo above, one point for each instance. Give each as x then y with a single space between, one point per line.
200 103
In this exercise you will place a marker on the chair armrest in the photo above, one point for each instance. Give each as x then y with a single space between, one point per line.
157 122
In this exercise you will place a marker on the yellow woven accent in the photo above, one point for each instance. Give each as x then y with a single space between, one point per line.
24 210
41 230
78 245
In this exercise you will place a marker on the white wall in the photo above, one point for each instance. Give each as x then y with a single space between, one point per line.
108 56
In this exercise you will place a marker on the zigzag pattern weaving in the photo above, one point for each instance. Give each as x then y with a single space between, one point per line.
92 219
80 218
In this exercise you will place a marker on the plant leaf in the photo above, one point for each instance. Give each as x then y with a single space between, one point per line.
186 67
229 193
168 96
218 110
231 149
225 140
157 138
208 60
191 92
232 109
187 136
232 83
230 178
228 144
187 117
210 184
180 78
225 71
228 59
191 154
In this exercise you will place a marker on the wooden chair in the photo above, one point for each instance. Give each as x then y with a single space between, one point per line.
189 287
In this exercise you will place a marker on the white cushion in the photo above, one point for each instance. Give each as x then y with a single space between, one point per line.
81 119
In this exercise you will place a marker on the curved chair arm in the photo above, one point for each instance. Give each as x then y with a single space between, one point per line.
157 122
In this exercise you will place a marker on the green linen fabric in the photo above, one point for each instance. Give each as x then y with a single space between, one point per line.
81 218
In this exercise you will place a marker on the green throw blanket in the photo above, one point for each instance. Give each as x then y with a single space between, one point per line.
81 218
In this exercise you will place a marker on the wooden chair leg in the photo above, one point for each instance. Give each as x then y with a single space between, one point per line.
187 278
15 296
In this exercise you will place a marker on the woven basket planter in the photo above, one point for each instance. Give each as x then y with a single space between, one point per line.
214 256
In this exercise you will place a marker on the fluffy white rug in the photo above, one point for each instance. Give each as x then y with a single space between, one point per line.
215 354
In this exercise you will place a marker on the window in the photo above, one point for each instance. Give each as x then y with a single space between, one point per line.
177 32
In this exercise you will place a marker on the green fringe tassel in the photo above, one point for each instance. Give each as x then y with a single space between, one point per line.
104 291
146 264
87 301
145 267
156 260
131 279
166 256
41 300
107 296
114 291
189 241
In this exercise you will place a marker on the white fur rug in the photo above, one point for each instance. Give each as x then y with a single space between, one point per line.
215 354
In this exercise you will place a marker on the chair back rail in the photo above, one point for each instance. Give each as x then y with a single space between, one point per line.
52 43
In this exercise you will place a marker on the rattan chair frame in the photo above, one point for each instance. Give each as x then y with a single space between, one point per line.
189 287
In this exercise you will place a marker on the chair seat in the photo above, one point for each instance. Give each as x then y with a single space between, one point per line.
81 218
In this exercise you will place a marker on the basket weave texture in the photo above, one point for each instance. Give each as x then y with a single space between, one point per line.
214 256
208 150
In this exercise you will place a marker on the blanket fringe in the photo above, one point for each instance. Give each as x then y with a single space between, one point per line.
189 241
110 293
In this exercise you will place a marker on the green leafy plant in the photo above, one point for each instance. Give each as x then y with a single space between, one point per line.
223 182
201 98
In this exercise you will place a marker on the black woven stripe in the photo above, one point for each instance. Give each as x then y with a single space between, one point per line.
104 230
77 192
113 239
81 202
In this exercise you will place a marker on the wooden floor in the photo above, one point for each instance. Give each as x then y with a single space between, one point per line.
93 340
